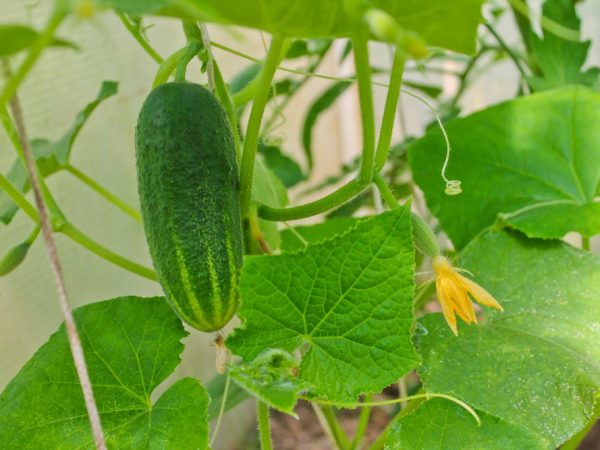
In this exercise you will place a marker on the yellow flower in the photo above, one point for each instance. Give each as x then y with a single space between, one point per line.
453 292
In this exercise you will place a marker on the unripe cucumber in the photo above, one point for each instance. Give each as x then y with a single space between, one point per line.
188 183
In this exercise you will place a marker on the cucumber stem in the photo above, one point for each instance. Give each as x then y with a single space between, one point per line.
256 114
264 427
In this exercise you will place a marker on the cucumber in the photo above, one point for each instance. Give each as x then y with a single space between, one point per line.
188 183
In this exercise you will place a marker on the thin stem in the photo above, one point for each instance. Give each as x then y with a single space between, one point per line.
210 67
507 49
363 422
73 233
389 113
43 39
342 195
167 67
363 76
427 396
103 192
340 438
386 192
585 243
264 427
63 299
221 412
19 199
133 30
255 120
191 50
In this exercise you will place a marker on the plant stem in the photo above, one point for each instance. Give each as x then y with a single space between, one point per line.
389 113
19 199
340 438
103 192
342 195
63 299
73 233
264 428
167 67
140 39
363 422
190 51
221 411
386 192
585 243
35 51
254 122
363 76
507 49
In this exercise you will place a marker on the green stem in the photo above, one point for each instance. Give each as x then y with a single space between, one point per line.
140 39
264 428
585 243
389 113
379 443
254 122
19 199
363 422
342 195
221 411
363 77
191 50
43 39
167 67
507 49
85 241
386 192
103 192
338 434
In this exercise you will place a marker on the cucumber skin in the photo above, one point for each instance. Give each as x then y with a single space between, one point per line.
188 184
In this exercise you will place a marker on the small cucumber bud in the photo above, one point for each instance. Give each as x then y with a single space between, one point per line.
384 27
424 237
85 9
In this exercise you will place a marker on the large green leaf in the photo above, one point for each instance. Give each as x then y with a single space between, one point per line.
443 425
450 25
537 364
131 345
346 303
536 160
559 62
51 156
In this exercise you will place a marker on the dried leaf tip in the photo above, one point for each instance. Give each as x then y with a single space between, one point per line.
455 291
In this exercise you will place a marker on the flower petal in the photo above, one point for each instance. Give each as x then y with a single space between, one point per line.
480 295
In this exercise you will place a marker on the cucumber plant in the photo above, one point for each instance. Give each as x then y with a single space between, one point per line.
339 314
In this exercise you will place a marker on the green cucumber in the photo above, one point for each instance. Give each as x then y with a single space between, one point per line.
188 183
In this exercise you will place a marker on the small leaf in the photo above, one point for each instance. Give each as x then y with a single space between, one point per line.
346 303
270 377
15 38
13 258
286 169
537 364
50 156
268 190
321 104
441 425
131 345
531 160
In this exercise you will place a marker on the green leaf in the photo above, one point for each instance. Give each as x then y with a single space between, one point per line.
320 105
559 61
131 345
286 169
451 25
51 156
537 364
531 159
345 303
15 38
268 189
270 378
441 425
296 239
